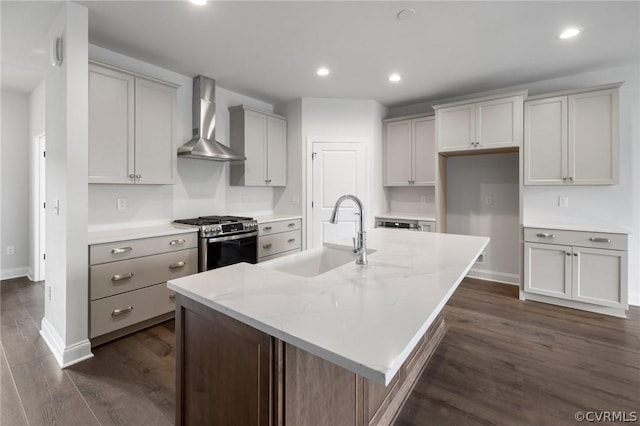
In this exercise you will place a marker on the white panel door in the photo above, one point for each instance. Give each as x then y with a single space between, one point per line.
598 276
545 141
255 145
397 153
155 133
276 151
424 151
547 269
111 126
339 168
593 137
499 123
456 127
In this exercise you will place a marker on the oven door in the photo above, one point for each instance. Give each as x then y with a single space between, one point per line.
216 252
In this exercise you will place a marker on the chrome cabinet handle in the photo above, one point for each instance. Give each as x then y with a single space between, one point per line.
120 277
266 246
290 240
132 176
121 311
292 224
121 250
575 254
571 179
267 180
545 235
567 253
176 242
138 176
600 240
172 296
564 178
177 265
266 228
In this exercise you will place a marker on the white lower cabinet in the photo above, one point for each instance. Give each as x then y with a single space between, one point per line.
279 238
583 270
127 282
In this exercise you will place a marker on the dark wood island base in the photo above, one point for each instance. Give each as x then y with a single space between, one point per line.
229 373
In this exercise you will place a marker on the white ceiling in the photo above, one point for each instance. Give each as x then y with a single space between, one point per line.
270 50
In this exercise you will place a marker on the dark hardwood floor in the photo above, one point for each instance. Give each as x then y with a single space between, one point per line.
502 362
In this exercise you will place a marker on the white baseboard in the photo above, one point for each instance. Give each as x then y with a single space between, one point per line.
7 274
64 355
499 277
634 298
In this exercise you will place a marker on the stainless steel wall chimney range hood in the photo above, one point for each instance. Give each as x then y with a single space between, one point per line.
203 145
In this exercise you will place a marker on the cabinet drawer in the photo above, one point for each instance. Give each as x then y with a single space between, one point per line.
576 238
129 249
281 226
123 310
277 243
112 278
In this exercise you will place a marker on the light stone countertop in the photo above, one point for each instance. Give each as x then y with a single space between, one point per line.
130 233
406 216
365 319
276 217
591 227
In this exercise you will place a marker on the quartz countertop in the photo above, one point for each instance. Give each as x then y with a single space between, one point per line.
276 217
130 233
591 227
406 216
364 319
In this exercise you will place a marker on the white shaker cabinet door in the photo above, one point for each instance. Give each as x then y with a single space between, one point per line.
499 123
255 144
424 151
276 151
111 126
155 133
545 141
456 128
593 137
547 269
599 276
398 153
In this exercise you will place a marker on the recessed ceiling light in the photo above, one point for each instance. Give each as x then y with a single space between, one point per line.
569 33
322 71
199 2
395 77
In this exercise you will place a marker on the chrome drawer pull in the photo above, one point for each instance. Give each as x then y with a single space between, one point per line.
290 240
266 246
121 311
121 250
172 296
119 277
176 242
266 228
545 235
292 224
600 240
177 265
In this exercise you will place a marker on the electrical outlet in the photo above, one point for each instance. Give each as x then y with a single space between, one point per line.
563 201
49 291
122 203
10 251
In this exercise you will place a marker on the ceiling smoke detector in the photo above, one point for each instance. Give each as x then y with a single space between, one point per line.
406 14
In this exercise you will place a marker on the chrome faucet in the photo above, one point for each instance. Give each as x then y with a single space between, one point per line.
360 241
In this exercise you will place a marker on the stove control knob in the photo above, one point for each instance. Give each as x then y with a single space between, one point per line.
217 230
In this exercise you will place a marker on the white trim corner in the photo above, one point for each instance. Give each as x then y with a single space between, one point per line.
65 356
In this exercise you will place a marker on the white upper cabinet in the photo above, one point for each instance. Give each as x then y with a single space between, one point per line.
262 139
572 139
132 128
488 123
410 154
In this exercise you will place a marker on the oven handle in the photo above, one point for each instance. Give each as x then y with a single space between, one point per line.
232 237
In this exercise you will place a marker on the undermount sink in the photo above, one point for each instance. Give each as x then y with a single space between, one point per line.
312 262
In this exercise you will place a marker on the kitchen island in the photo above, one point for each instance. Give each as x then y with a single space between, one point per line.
313 338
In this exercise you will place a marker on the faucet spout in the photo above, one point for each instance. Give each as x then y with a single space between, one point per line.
360 241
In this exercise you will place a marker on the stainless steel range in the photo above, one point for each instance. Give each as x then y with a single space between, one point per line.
224 240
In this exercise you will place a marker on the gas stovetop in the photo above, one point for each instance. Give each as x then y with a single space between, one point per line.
210 226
